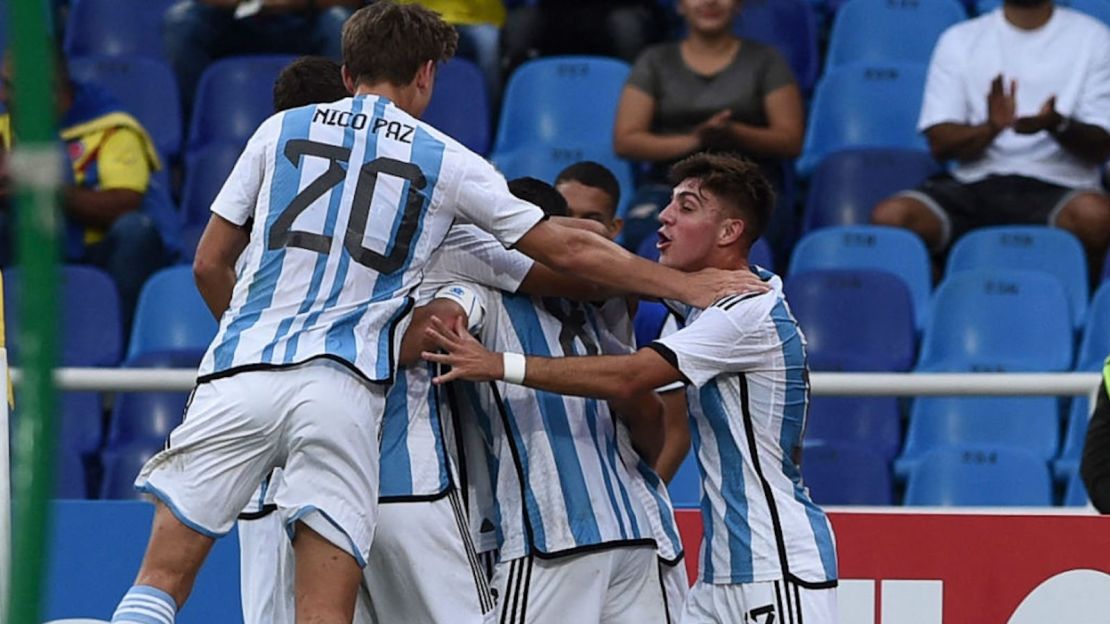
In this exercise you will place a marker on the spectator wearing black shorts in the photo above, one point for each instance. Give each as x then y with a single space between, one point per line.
1019 100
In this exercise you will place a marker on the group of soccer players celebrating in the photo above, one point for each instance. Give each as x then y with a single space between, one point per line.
432 374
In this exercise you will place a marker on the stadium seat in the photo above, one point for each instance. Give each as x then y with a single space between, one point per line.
1106 269
561 100
206 170
70 476
1076 493
853 320
234 97
847 184
91 330
838 474
460 105
685 487
116 28
998 320
121 466
979 476
156 105
788 25
880 31
864 106
1099 9
1029 247
870 422
190 238
171 315
146 418
1095 345
1028 423
546 161
1075 433
870 247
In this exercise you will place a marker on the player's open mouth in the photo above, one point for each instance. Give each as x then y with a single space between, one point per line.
663 242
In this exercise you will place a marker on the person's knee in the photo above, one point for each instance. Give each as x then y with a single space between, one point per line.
893 211
133 228
1087 215
186 18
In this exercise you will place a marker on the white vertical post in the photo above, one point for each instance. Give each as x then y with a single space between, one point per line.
6 564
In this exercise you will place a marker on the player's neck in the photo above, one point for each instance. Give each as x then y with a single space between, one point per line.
402 97
1028 17
727 260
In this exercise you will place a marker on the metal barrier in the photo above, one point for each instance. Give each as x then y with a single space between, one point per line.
823 384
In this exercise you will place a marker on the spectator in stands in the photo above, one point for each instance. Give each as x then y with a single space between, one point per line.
309 80
118 215
1095 466
619 28
709 91
198 32
478 23
1019 100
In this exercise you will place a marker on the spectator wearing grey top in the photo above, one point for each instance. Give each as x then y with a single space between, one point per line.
709 91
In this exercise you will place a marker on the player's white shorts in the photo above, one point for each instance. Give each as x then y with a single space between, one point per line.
675 587
422 568
617 586
781 602
318 421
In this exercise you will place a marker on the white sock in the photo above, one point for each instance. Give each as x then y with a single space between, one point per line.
144 604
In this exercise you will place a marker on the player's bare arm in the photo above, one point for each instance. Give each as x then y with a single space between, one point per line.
578 252
610 377
643 414
214 267
416 339
676 434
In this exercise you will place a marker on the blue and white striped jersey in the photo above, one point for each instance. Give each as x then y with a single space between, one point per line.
415 460
349 201
558 480
745 359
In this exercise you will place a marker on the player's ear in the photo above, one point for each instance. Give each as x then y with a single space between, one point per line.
730 232
426 75
348 79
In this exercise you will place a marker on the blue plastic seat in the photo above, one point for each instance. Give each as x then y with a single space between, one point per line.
206 170
864 105
1076 493
156 104
561 100
70 477
234 97
171 315
979 476
1099 9
870 247
1106 269
853 320
116 28
1028 423
870 422
1030 247
460 105
1095 344
685 487
847 184
880 31
121 466
1075 434
788 25
845 475
547 161
998 320
147 418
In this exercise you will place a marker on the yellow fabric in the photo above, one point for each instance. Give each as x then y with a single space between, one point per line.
6 131
1106 375
466 12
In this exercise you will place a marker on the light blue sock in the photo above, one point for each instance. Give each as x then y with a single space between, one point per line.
144 604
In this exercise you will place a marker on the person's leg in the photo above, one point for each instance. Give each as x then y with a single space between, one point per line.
132 252
327 579
1087 215
636 594
192 32
911 213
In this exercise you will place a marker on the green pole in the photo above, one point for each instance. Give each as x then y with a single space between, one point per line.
36 167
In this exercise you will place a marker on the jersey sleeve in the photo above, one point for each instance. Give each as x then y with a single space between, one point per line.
943 101
729 337
471 255
122 162
485 201
473 299
238 197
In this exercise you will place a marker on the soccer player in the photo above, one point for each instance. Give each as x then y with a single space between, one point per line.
348 201
768 550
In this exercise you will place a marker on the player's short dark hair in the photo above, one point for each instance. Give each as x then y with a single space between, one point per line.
308 80
594 175
541 194
737 181
386 41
